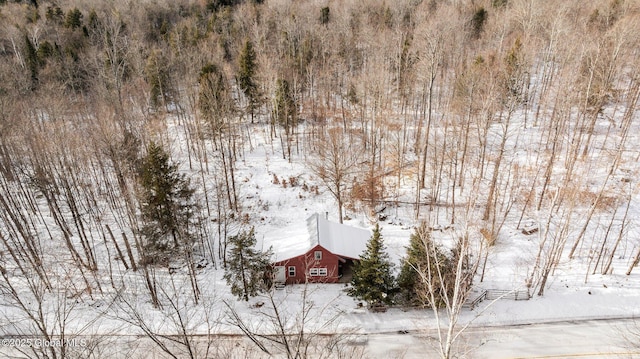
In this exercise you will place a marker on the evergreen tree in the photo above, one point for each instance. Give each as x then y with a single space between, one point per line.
214 98
324 15
54 14
426 265
247 67
284 111
499 3
31 60
246 266
167 205
73 19
372 279
513 72
45 50
94 22
156 73
478 21
215 5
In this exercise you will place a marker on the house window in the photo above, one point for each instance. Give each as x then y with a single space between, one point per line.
292 271
318 272
317 255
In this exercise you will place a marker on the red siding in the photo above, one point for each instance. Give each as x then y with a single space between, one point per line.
303 263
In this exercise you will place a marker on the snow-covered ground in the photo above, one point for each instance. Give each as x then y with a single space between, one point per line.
573 292
541 326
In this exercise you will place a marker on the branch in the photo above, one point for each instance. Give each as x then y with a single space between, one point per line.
238 322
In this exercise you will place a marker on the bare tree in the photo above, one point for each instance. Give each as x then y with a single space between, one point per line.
40 317
295 333
187 328
446 287
113 64
553 238
337 155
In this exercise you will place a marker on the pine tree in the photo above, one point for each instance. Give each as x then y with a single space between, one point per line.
31 61
246 266
284 111
214 98
409 280
156 73
499 3
73 19
513 71
477 22
54 14
93 22
426 265
372 279
247 67
45 50
167 205
324 15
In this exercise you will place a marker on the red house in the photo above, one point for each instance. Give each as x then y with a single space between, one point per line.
326 255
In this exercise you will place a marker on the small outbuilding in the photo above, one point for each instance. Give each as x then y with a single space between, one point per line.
326 255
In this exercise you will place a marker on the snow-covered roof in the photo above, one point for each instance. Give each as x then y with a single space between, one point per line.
339 239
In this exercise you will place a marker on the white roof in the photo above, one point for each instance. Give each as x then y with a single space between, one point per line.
339 239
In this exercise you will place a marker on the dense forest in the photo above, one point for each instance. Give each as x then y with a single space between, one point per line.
122 126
